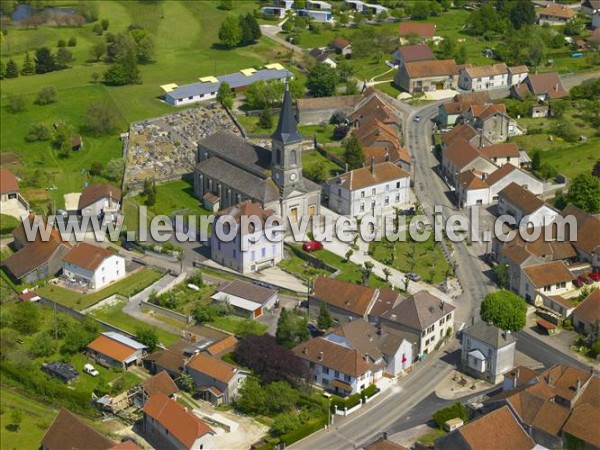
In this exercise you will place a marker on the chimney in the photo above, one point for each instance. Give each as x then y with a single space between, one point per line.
346 167
578 386
379 329
372 165
516 378
320 356
385 435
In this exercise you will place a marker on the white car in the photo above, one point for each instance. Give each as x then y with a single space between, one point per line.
417 118
90 370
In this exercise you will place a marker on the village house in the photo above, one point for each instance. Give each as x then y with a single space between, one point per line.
426 318
590 7
461 156
170 360
549 405
68 431
381 345
491 121
217 381
159 383
363 7
373 106
555 14
517 74
467 132
311 111
560 305
528 209
483 78
544 86
480 188
487 351
318 4
548 278
376 190
586 316
336 367
169 425
250 250
117 350
12 202
92 266
37 259
232 170
322 16
412 53
420 30
247 299
425 76
483 433
323 57
341 46
345 301
101 200
448 113
587 244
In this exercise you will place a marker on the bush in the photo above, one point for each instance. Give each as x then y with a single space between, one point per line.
457 410
46 96
61 43
370 391
285 423
305 430
16 103
596 348
38 132
72 42
96 168
349 402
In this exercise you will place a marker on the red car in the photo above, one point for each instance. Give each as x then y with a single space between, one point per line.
585 279
312 246
594 276
577 282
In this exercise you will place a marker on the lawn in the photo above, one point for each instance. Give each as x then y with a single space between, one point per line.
115 316
235 324
429 260
313 157
127 287
7 224
184 35
572 161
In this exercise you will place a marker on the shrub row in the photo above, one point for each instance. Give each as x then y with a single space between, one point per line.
305 430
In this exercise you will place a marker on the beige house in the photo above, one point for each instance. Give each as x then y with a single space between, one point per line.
425 76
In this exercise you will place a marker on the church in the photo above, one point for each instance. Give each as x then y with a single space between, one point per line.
230 170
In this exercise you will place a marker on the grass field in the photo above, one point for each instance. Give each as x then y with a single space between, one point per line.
131 285
115 316
7 224
184 35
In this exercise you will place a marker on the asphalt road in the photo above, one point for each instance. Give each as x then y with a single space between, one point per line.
540 351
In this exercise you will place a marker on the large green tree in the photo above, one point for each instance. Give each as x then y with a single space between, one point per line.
504 309
224 95
291 329
45 60
230 33
28 68
353 153
322 81
12 69
584 192
324 321
522 13
249 29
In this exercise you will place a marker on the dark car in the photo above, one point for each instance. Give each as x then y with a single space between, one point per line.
128 246
312 246
413 276
314 330
577 282
585 279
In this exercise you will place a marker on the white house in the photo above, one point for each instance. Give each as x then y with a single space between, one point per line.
487 351
167 424
517 74
100 199
247 299
364 7
12 202
590 7
249 250
318 15
371 189
94 267
483 78
555 14
461 156
318 4
527 208
549 278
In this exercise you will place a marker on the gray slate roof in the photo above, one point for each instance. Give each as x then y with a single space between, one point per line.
235 80
490 334
248 291
287 130
419 311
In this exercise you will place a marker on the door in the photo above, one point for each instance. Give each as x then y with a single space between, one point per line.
311 210
294 214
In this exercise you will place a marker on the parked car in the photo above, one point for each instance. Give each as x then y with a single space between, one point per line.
312 246
595 276
417 118
90 370
585 279
413 276
314 330
577 282
128 246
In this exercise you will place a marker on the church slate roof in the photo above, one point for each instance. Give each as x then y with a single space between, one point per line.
287 130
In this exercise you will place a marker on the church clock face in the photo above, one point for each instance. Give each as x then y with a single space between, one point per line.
293 177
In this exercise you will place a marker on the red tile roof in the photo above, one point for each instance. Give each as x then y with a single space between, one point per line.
548 273
460 153
412 53
421 29
111 348
340 43
182 424
8 182
365 177
213 367
95 192
334 356
560 11
344 295
69 432
430 69
589 309
87 256
161 382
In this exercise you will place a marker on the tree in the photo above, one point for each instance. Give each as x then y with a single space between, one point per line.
46 96
38 132
147 336
269 360
447 47
291 329
2 70
62 139
98 50
454 411
122 52
420 10
536 50
558 108
266 119
150 192
99 118
12 69
42 345
114 169
366 271
28 68
16 103
324 321
187 383
351 87
345 70
96 168
462 55
353 153
61 43
387 273
16 417
144 45
316 172
252 397
505 309
26 318
45 60
97 28
230 33
584 192
284 423
87 9
322 81
249 29
523 13
501 271
79 335
72 41
63 58
348 255
224 95
104 23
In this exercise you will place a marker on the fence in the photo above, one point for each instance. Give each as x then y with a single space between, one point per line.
330 156
168 312
108 301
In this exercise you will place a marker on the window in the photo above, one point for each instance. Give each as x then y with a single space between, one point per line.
362 194
337 374
347 378
374 191
387 201
325 382
362 207
252 255
547 288
293 158
398 185
263 252
234 253
326 370
339 191
191 97
387 187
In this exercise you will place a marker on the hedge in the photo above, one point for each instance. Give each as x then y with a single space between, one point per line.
305 430
370 391
354 399
456 410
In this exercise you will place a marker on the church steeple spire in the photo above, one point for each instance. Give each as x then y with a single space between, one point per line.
287 131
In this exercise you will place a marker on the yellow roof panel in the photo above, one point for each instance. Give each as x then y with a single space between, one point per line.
209 79
274 66
169 87
248 72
